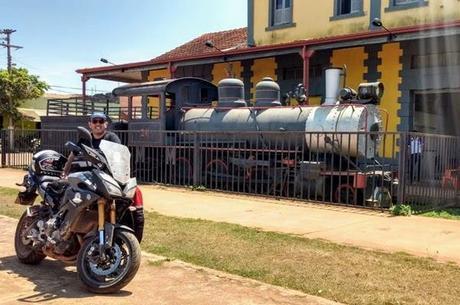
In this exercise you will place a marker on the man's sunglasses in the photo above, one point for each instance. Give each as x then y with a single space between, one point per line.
98 121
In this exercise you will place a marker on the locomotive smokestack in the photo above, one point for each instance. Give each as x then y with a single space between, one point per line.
333 85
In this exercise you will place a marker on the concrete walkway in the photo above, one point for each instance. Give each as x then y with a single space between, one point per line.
422 236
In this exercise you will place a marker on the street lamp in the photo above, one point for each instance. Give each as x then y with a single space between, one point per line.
378 23
229 68
211 45
106 61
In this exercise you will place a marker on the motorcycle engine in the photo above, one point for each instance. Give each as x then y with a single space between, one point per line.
51 233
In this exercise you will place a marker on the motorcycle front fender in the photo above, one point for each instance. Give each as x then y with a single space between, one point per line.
109 231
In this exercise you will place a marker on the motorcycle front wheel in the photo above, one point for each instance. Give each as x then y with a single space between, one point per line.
116 269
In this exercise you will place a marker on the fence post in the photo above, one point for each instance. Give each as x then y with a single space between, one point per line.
4 143
196 160
402 167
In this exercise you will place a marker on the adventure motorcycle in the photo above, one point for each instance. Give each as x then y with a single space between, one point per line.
90 218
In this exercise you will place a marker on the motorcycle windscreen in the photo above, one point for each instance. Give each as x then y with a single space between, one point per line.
118 159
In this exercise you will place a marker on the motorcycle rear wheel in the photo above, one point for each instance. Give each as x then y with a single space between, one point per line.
23 246
115 273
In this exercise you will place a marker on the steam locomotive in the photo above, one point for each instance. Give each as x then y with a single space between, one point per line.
327 152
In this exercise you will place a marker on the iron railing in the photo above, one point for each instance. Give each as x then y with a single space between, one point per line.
373 170
75 107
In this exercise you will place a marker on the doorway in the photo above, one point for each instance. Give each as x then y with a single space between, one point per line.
437 112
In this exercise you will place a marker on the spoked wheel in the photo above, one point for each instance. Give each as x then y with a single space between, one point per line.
216 173
345 193
23 244
114 271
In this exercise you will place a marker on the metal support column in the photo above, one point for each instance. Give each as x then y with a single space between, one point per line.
84 79
306 55
402 167
196 160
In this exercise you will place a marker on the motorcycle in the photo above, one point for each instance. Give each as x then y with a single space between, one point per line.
89 218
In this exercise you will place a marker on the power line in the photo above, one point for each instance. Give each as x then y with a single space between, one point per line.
75 88
28 66
62 91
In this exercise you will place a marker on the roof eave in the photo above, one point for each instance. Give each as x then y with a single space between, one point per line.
258 49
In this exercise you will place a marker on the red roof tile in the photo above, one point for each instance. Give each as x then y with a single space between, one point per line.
225 41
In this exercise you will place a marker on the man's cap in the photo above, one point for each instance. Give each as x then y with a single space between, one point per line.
98 115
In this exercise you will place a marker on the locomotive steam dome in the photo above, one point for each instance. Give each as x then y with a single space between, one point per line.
267 93
231 93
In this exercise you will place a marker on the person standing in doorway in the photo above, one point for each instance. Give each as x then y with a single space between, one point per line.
415 148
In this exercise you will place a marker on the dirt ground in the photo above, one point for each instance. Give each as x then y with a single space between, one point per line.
178 283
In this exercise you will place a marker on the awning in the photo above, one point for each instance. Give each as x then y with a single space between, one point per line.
30 114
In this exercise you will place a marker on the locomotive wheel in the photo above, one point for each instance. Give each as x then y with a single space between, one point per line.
345 193
216 173
182 172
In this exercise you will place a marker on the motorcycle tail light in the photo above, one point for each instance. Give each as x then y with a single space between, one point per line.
137 199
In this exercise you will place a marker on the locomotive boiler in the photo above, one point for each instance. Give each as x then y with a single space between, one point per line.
325 152
233 115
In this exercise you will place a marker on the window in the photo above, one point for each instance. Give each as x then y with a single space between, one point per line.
293 73
280 14
434 111
296 73
405 4
347 9
445 59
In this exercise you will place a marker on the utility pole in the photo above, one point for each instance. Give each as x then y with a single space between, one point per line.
8 46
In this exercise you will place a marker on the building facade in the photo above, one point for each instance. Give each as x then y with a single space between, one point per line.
412 46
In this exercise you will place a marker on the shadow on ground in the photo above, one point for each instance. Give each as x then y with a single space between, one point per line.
51 280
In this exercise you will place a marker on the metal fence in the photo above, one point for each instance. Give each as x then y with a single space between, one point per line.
373 170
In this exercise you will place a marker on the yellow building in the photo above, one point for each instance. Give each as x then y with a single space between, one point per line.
412 46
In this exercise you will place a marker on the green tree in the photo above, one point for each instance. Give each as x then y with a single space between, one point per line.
16 86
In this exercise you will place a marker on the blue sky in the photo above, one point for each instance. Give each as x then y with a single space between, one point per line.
60 36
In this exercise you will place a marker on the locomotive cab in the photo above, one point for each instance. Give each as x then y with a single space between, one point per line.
161 105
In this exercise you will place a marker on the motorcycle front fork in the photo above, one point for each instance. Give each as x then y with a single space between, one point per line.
105 230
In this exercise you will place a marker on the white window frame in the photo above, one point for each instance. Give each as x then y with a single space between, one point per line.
404 2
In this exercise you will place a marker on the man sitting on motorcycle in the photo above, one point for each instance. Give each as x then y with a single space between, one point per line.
98 125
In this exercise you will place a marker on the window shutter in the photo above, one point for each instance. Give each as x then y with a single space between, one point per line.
356 6
282 12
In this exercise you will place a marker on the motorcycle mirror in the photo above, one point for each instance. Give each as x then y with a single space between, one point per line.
72 147
84 134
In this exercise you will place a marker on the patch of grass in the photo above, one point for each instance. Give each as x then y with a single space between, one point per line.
7 205
342 273
449 213
198 188
401 210
157 262
7 191
346 274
